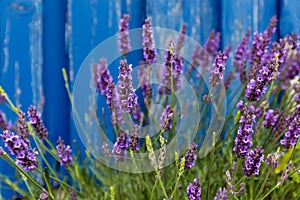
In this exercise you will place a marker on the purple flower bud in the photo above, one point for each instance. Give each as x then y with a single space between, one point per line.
44 195
124 40
64 153
193 191
253 161
22 127
228 80
103 77
134 139
37 123
221 194
181 38
271 118
143 74
119 149
292 134
166 118
272 160
218 69
128 98
243 140
190 156
241 53
286 172
148 42
72 193
229 182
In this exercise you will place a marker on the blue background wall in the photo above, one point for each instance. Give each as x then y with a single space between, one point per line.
38 38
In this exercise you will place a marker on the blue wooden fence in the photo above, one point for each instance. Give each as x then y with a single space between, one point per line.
38 38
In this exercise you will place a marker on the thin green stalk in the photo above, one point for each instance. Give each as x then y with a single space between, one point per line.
274 188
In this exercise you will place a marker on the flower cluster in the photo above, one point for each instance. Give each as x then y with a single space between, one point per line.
253 161
292 134
148 42
190 156
44 195
104 79
193 191
37 123
218 69
241 53
272 160
143 75
22 127
286 172
124 40
173 69
128 98
271 118
243 140
166 118
119 149
221 194
134 139
25 157
64 153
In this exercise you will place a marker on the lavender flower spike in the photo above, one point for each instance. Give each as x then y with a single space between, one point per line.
193 191
128 98
253 161
37 123
148 42
120 146
286 172
272 160
241 53
166 119
124 40
181 38
24 156
103 77
218 69
134 139
64 153
243 140
292 134
190 156
271 118
22 127
221 194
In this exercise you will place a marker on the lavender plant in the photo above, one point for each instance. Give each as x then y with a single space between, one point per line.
257 156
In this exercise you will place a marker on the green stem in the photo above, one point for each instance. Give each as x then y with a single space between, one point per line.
269 192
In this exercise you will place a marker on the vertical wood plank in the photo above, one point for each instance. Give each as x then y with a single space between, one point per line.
289 17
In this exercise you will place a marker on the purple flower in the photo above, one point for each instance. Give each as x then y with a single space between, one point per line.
181 38
292 41
22 127
289 70
143 75
120 146
24 156
166 118
286 172
281 124
37 123
256 87
243 140
116 110
103 77
137 113
177 71
64 153
44 195
190 156
134 139
271 118
228 80
148 42
193 191
221 194
253 161
124 40
218 69
260 45
272 160
128 98
72 193
292 134
241 53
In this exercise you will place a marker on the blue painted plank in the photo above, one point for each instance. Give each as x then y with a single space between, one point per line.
289 17
20 60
